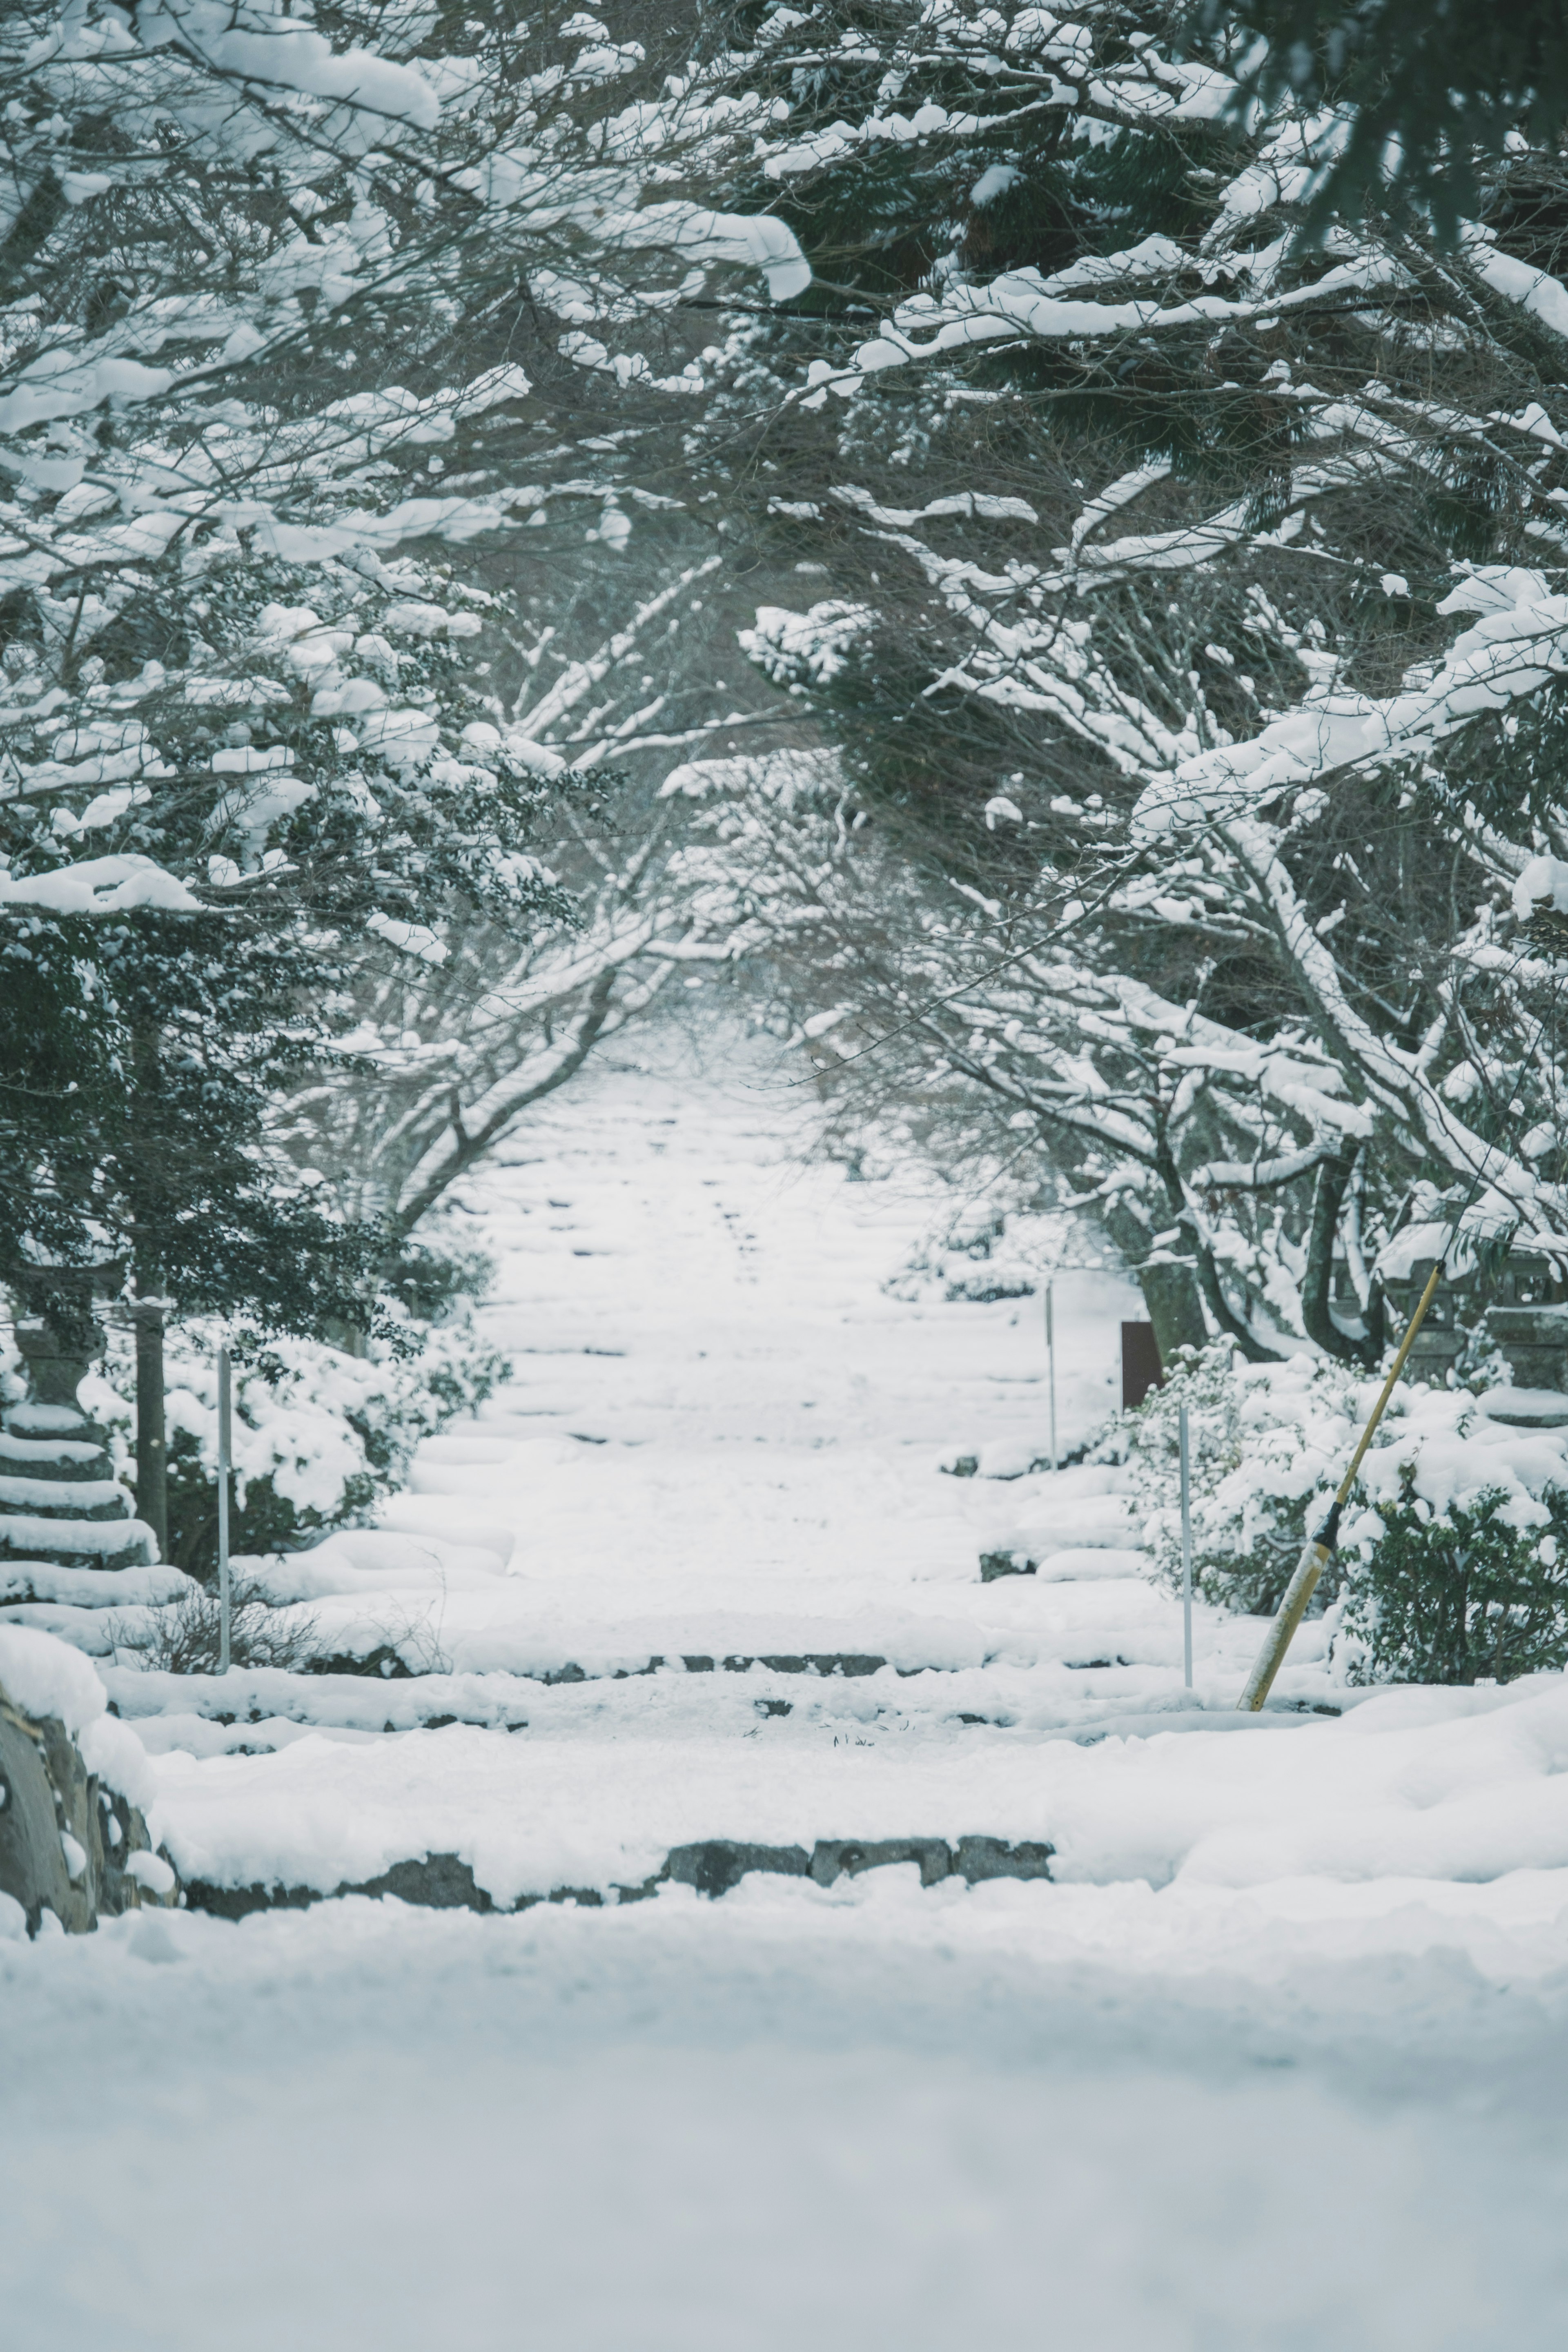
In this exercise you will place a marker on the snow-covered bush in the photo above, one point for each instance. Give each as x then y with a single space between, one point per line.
1244 1543
981 1253
318 1434
1477 1589
1451 1553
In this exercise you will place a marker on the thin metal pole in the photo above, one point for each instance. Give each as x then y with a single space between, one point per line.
224 1455
1051 1363
1186 1549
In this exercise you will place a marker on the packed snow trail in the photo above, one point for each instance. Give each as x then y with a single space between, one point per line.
1102 2119
1274 2060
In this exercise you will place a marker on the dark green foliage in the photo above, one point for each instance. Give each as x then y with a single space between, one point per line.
1438 85
1510 768
145 1057
874 224
1254 1583
264 1522
1457 1595
429 1284
54 1061
140 1057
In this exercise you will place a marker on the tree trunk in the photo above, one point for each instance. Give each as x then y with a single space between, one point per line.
1169 1292
1317 1286
1176 1308
151 1451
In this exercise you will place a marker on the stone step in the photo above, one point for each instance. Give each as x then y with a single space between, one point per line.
105 1543
1526 1408
258 1711
64 1499
52 1458
849 1664
588 1794
403 1658
712 1866
1077 1564
1042 1622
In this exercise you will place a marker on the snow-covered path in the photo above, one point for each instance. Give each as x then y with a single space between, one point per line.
785 2119
720 1425
741 1600
1274 2060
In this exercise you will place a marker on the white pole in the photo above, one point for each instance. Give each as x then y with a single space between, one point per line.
1186 1549
1051 1362
224 1452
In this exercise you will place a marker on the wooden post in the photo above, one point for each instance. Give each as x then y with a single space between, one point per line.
1319 1547
1140 1367
151 1450
224 1450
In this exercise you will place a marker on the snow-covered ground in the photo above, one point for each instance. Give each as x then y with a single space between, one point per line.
1274 2059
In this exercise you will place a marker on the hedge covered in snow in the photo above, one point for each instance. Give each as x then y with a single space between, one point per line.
1453 1560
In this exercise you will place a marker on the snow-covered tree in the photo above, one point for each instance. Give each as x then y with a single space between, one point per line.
1192 619
264 283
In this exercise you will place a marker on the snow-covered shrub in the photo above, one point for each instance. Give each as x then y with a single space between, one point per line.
1245 1539
318 1434
974 1256
1453 1548
1479 1590
983 1250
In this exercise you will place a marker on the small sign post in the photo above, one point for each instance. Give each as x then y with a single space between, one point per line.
225 1453
1140 1367
1186 1546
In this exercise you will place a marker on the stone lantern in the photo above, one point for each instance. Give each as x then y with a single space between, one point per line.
58 1335
1519 1308
68 1536
71 1556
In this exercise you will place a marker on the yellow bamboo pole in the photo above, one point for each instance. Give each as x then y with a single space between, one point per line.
1319 1547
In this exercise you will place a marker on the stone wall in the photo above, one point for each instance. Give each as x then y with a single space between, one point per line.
68 1843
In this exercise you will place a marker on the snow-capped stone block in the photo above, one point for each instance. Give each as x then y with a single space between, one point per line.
117 1543
140 1587
74 1839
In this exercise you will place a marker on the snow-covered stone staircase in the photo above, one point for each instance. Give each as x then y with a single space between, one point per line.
699 1593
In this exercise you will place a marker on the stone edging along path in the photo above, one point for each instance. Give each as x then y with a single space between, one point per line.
444 1883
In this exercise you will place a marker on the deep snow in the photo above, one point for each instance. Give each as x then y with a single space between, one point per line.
1078 2118
1278 2063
